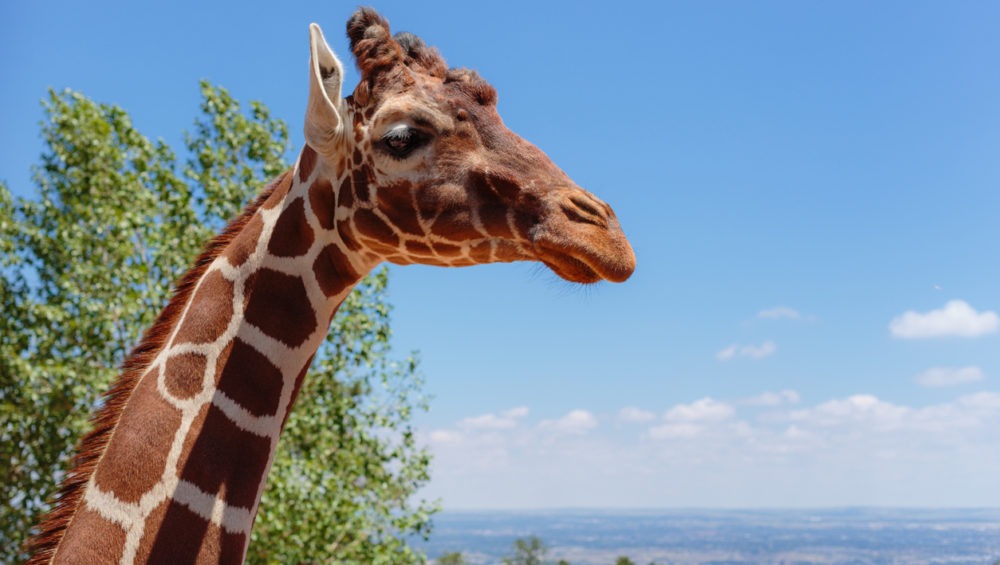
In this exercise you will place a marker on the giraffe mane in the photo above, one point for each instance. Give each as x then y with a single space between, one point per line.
67 500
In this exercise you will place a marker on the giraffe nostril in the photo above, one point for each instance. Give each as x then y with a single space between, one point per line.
578 209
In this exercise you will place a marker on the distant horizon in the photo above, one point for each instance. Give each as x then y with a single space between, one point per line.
722 509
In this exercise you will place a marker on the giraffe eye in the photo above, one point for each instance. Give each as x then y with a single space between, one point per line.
402 140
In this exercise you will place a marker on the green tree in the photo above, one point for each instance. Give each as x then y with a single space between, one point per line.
527 551
451 558
86 265
623 560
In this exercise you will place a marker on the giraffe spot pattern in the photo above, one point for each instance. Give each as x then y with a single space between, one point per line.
418 248
78 546
370 225
396 203
455 224
333 270
345 196
307 161
347 235
224 459
135 457
249 378
481 252
322 202
447 249
292 235
279 306
169 529
184 374
494 219
508 251
381 248
210 310
360 181
244 244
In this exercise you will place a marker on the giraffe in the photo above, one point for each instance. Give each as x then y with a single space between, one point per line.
415 166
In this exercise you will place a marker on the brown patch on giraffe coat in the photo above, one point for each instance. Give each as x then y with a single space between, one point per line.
347 235
210 310
334 271
380 248
507 251
292 235
219 457
374 227
279 191
345 195
92 540
455 224
360 181
396 203
323 203
481 252
446 249
175 534
418 248
307 161
184 375
245 243
280 307
137 454
249 378
494 219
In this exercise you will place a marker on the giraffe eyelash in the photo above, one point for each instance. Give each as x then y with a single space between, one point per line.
402 140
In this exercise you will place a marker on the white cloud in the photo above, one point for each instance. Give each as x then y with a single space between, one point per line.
503 421
956 318
761 351
516 412
857 408
778 313
575 422
704 410
674 431
633 414
772 398
858 449
949 376
447 437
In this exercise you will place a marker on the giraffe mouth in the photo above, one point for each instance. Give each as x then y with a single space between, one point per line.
581 265
566 266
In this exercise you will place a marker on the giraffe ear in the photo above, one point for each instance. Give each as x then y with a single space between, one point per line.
323 114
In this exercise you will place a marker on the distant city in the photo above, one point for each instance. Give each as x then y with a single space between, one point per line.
829 536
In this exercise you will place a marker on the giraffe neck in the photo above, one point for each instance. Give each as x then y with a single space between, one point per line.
181 473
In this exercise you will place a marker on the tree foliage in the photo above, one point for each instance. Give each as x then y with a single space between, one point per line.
88 263
527 551
451 558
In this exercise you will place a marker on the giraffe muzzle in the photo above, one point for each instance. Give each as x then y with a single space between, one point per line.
582 241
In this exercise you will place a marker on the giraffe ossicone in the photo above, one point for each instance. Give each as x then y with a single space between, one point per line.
415 166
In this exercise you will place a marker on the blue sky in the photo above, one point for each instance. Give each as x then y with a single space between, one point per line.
811 191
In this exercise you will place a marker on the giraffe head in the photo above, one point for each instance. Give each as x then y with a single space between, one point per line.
423 170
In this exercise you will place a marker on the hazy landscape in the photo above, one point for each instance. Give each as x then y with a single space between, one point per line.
854 535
